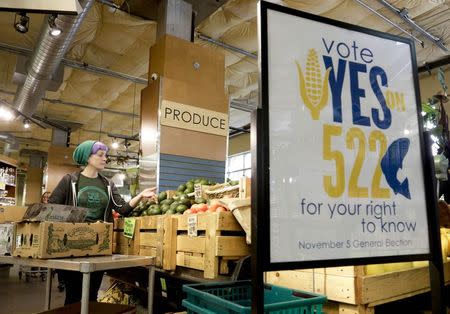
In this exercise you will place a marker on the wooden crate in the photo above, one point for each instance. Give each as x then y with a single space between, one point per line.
219 239
157 237
153 236
356 292
122 244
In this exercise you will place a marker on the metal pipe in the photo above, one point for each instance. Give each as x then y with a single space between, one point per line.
103 71
242 130
390 22
435 64
242 106
47 56
52 124
77 65
226 46
403 14
68 103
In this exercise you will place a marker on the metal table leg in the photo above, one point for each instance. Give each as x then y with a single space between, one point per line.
48 289
151 288
85 293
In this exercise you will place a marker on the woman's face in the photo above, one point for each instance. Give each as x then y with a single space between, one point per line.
45 197
98 160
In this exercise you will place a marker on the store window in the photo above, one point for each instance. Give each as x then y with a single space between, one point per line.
239 165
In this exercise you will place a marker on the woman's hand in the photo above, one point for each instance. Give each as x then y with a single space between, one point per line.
147 193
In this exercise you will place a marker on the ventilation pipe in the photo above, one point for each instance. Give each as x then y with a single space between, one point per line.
47 55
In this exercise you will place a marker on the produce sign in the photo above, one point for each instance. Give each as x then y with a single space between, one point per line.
193 118
344 147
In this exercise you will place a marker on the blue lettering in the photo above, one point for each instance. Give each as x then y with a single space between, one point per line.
336 82
376 72
328 48
357 93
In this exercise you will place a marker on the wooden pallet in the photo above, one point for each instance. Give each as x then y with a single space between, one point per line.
219 239
153 236
356 292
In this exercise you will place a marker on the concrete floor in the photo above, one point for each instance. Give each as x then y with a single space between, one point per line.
20 297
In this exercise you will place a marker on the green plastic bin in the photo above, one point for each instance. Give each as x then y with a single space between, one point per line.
236 297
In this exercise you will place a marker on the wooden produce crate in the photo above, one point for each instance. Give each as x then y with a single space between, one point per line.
157 238
153 236
209 241
122 244
356 292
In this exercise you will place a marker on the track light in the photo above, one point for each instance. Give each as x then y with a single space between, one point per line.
21 21
55 31
26 124
114 144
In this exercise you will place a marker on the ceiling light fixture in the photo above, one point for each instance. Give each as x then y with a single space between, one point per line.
55 31
114 144
21 22
6 114
26 124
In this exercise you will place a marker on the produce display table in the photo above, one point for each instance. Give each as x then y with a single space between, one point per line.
87 265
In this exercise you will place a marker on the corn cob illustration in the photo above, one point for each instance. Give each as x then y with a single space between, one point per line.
313 90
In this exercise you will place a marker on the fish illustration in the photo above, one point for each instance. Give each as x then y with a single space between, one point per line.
392 162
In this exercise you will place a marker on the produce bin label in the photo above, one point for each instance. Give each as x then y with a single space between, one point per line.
128 227
192 226
345 164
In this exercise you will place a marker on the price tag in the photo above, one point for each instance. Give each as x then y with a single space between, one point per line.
197 190
128 229
192 226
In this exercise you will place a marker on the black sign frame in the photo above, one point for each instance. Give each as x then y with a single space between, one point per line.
260 158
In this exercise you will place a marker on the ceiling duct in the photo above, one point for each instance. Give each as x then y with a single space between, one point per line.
47 56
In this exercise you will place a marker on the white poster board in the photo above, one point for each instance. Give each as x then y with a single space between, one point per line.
346 170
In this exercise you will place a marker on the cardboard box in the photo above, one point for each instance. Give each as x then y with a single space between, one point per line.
55 212
12 213
6 238
46 239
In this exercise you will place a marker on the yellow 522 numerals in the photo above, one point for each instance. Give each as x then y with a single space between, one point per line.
355 139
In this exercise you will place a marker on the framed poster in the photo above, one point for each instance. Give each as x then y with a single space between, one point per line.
340 165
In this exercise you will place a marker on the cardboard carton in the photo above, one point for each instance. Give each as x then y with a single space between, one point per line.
55 212
12 213
44 239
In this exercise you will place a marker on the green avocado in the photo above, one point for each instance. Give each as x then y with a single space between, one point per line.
162 196
181 209
164 208
171 212
174 205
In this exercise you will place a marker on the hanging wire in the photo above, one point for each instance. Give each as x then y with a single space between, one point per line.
101 124
134 103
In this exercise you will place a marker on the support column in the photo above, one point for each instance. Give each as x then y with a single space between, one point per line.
59 161
34 179
184 109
